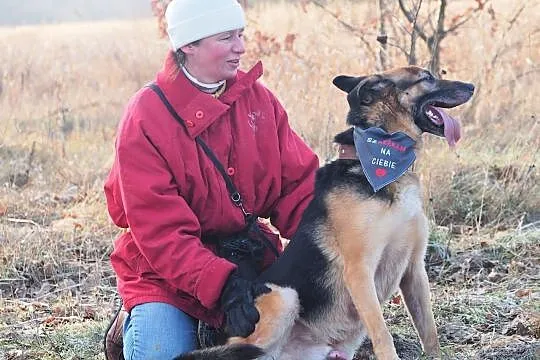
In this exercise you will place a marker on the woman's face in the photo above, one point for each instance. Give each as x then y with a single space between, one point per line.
216 57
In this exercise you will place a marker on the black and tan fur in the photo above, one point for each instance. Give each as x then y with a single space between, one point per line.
354 248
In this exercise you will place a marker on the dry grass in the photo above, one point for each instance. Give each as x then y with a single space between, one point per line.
62 91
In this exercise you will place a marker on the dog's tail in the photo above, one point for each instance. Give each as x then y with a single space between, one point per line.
225 352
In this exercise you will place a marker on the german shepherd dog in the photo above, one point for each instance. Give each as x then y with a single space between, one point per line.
356 246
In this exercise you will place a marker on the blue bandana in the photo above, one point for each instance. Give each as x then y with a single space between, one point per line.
384 157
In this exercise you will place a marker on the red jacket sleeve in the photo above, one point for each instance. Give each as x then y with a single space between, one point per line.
164 228
298 166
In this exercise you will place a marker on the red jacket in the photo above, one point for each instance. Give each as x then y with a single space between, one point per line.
166 191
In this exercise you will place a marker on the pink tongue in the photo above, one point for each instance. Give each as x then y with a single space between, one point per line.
336 355
452 129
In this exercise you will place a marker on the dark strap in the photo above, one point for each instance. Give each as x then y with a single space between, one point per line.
235 195
233 192
252 225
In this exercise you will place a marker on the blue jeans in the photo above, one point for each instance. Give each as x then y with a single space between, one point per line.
155 331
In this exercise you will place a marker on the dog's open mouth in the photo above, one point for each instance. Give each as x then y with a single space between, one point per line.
432 116
439 117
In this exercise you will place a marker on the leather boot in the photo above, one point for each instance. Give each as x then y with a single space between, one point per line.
114 344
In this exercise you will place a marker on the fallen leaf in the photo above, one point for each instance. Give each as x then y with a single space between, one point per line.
3 210
521 293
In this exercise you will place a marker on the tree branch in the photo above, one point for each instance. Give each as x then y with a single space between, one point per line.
399 47
440 20
435 40
459 23
348 27
414 36
382 38
408 14
512 22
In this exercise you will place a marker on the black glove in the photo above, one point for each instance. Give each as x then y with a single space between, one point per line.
238 303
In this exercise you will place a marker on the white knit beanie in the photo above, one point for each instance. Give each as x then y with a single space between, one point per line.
192 20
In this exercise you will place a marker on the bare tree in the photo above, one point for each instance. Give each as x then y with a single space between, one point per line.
421 29
437 34
382 38
432 34
359 33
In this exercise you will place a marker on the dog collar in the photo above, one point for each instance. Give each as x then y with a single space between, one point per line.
384 157
347 152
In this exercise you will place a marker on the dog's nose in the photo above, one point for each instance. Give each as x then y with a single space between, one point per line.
470 87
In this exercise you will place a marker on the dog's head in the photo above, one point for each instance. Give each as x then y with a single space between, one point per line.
408 99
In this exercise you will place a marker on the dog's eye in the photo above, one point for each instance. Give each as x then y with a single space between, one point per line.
366 99
429 77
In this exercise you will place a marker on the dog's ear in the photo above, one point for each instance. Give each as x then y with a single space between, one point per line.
346 137
347 83
371 90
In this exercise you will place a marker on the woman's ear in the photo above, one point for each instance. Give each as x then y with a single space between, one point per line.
188 49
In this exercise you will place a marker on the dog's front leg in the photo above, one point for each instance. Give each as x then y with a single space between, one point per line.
415 289
361 285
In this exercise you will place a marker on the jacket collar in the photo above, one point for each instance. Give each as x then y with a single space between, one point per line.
198 109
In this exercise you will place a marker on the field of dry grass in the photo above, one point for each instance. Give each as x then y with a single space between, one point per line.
62 92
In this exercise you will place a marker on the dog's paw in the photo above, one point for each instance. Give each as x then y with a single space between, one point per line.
336 355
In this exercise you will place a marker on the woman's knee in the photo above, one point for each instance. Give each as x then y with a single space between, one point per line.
158 331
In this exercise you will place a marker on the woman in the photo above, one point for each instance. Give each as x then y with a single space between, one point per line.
169 195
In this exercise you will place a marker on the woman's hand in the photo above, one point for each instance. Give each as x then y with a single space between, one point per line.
238 303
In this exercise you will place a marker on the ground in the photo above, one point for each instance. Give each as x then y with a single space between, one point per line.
485 297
